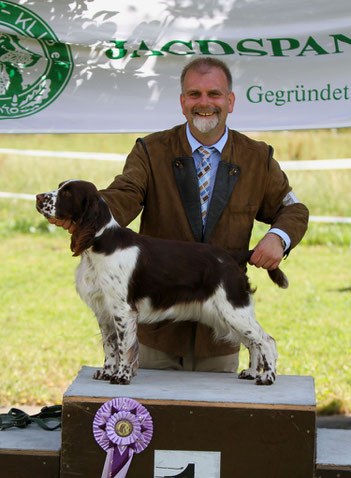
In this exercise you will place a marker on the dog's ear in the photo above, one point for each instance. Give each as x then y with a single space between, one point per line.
86 226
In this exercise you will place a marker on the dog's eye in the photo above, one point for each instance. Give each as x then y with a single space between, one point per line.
66 193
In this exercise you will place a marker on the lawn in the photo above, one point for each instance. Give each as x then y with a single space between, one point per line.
47 333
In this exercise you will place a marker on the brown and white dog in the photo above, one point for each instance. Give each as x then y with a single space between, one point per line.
127 278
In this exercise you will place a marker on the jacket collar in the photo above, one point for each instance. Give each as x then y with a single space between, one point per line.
185 175
195 144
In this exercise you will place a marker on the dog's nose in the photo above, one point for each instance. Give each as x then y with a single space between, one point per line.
40 199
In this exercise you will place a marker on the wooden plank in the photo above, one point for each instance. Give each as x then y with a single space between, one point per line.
251 442
30 452
333 449
178 386
32 439
29 466
258 406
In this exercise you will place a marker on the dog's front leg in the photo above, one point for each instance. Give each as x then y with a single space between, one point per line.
126 331
109 342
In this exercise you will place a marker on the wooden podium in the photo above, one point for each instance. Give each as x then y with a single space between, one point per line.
232 427
30 453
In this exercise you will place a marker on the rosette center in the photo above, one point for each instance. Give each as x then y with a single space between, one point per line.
124 428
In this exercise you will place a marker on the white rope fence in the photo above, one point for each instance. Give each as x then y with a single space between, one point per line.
322 164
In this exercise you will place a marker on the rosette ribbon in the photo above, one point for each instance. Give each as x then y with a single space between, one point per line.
121 427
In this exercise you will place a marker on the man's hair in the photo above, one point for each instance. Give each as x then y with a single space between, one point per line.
204 65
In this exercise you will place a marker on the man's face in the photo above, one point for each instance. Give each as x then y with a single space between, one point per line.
206 102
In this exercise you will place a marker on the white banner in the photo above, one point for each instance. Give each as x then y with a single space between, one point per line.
114 66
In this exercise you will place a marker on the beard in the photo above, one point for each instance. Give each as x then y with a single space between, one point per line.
203 123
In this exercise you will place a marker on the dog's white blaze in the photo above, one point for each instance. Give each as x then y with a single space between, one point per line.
67 182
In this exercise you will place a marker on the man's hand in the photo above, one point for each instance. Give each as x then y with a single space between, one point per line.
65 223
268 253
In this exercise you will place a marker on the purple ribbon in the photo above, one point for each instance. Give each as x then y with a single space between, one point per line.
121 427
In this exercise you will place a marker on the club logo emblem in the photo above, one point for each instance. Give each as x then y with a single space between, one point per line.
34 66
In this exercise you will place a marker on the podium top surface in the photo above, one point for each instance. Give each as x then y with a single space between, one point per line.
32 439
333 447
179 386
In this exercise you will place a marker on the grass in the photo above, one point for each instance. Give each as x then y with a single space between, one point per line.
310 320
47 333
288 145
324 192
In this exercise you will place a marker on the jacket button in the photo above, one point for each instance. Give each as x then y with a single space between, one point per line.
179 164
233 171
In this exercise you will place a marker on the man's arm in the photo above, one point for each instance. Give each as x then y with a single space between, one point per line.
287 216
126 194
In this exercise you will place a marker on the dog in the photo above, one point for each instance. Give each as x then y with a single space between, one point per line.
126 278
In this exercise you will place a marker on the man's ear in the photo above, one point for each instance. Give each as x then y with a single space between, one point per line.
231 100
181 98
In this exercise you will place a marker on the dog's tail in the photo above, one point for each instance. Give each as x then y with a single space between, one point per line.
276 275
279 278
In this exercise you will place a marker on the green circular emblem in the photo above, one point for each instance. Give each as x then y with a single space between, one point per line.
34 66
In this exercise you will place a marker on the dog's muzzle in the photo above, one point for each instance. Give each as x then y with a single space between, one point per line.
45 204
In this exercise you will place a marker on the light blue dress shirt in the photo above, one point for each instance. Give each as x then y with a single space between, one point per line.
214 161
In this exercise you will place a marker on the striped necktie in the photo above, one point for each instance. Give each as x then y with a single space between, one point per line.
203 174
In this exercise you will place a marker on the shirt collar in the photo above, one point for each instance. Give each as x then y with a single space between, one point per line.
194 143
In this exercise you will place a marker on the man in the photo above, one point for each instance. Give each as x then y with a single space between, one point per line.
239 181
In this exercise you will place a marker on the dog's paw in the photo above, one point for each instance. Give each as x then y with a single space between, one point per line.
267 378
101 375
120 380
247 374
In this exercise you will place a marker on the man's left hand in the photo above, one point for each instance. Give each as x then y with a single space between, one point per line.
268 253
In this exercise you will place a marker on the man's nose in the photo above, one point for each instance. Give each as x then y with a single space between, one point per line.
204 99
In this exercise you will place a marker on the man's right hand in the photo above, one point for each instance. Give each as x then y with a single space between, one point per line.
65 223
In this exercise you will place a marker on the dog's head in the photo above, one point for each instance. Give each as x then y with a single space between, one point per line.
79 202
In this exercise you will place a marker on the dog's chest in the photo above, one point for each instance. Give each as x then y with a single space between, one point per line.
100 276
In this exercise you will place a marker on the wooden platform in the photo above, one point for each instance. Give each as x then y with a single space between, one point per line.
206 425
30 453
238 428
333 453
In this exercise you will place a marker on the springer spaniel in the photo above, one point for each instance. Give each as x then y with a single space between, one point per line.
127 278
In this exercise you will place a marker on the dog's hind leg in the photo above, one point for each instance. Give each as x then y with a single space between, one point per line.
255 364
241 321
269 355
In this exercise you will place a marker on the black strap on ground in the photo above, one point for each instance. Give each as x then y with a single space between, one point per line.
49 418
